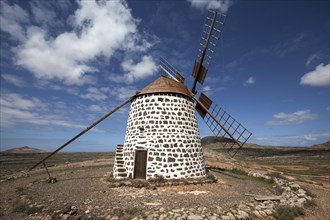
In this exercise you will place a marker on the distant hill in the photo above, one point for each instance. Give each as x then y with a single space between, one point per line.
325 145
24 150
213 140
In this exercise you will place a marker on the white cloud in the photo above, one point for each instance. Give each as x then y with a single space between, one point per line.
13 79
249 81
96 108
11 18
292 140
60 105
17 110
318 77
41 12
124 92
95 94
135 72
46 85
16 101
290 45
297 117
99 110
99 29
222 5
311 58
12 116
210 90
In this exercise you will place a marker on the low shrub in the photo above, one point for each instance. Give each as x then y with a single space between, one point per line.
140 183
157 179
309 193
1 213
132 211
119 212
277 175
238 172
32 210
20 206
23 206
19 189
288 212
278 190
265 180
210 176
294 189
110 179
310 204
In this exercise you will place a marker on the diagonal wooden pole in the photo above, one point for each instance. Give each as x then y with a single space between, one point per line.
81 133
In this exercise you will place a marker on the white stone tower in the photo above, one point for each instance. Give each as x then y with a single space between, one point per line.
162 136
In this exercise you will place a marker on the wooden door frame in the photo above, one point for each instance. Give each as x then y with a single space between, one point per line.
144 150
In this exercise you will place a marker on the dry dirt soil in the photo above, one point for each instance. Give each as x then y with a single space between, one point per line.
84 186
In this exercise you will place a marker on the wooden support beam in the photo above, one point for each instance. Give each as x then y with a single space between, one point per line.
265 198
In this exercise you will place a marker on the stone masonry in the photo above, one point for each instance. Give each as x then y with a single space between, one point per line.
165 125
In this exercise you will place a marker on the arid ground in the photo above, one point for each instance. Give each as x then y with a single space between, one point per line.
85 189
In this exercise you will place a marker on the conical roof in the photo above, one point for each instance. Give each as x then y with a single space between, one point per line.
165 85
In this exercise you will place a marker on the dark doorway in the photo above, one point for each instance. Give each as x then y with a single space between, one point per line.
140 164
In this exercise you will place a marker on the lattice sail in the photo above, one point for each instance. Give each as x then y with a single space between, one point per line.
168 69
214 36
211 33
222 124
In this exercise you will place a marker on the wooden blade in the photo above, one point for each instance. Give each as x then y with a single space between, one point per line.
206 102
179 77
81 133
199 72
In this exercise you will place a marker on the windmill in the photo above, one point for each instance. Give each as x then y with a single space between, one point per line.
162 136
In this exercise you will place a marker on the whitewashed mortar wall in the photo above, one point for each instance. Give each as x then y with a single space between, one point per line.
166 126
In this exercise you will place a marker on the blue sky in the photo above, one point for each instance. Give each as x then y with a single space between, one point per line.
64 64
